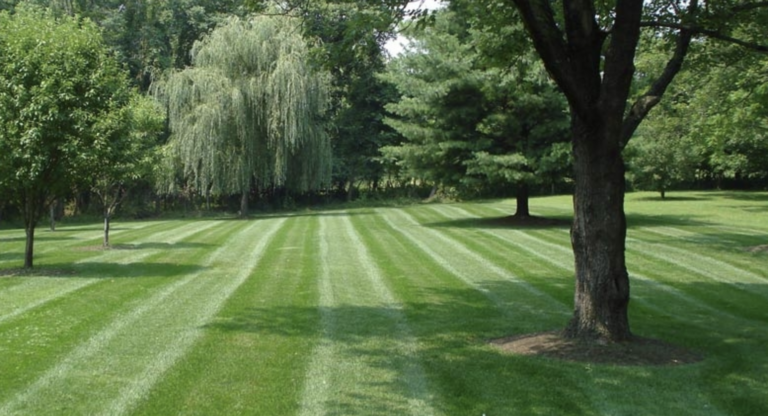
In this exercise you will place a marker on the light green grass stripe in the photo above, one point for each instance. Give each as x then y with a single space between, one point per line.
340 371
88 365
423 245
316 384
482 260
419 396
425 240
705 266
37 292
555 254
237 264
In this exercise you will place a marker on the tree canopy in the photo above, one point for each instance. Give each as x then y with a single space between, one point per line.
471 122
249 112
62 100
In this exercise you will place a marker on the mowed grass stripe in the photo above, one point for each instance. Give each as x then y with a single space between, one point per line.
507 295
479 264
52 331
36 292
553 246
182 321
99 367
366 362
253 355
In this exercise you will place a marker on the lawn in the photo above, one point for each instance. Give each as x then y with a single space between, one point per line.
379 311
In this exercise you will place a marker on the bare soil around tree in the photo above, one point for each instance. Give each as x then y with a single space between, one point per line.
637 352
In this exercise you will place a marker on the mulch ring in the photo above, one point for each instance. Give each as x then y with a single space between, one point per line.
637 352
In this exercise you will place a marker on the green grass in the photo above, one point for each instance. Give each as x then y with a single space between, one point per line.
379 311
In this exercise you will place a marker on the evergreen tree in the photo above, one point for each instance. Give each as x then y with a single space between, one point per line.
471 124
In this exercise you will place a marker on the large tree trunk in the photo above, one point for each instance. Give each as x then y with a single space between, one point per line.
598 236
521 197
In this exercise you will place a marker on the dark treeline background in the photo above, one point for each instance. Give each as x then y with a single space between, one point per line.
465 111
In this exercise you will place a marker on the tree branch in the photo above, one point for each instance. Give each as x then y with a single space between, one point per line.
549 41
749 6
695 30
644 104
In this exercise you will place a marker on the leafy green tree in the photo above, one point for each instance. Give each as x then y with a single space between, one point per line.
249 113
729 113
129 158
149 37
589 48
61 98
662 154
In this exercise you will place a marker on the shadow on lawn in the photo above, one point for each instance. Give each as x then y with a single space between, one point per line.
39 237
104 270
633 220
450 333
452 327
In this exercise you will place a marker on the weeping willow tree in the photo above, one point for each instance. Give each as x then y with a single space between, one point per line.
249 112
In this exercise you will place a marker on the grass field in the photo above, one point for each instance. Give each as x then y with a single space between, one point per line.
379 311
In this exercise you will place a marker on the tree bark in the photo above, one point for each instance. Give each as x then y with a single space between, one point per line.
106 229
244 204
29 249
521 198
598 235
52 212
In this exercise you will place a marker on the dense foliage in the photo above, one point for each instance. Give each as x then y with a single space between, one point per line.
63 101
470 125
249 112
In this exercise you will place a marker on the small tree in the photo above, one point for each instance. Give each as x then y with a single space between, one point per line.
61 100
129 157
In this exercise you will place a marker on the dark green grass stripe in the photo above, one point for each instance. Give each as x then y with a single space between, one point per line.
366 362
452 321
94 310
660 296
253 354
491 256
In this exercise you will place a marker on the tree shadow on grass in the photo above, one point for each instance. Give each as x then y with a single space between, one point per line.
635 220
674 198
104 270
511 222
756 196
506 222
452 330
39 237
11 256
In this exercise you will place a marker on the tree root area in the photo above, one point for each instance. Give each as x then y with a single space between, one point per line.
637 352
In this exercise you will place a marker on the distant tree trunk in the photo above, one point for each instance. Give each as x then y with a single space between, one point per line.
521 197
351 189
663 193
106 228
33 207
598 235
244 204
52 212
